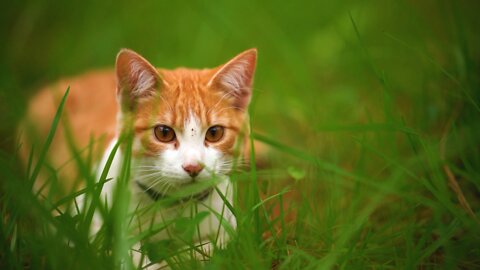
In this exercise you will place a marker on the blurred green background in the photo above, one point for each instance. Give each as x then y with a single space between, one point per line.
361 95
313 68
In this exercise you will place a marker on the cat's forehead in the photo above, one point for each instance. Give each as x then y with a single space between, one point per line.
186 77
186 92
186 96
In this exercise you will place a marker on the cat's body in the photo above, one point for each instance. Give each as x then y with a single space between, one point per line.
186 128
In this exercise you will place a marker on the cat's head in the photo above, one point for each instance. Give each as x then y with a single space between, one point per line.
186 122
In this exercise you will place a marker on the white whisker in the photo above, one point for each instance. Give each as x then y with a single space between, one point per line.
232 107
215 106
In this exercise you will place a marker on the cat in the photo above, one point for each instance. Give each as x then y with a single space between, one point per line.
187 127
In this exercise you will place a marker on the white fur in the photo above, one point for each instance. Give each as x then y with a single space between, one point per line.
191 150
164 173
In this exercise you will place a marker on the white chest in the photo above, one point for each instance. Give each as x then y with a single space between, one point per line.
210 215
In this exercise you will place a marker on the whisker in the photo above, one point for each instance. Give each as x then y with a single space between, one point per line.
149 174
147 170
147 166
215 106
156 183
232 107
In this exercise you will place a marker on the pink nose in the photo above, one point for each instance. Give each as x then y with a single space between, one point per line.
193 169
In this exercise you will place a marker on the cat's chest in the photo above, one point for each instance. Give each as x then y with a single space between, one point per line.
206 212
205 215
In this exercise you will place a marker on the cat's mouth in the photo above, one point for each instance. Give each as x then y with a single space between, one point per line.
172 201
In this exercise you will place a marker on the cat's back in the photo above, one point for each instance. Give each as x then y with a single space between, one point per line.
89 115
90 108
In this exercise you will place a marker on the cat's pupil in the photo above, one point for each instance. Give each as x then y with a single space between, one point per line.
214 134
164 133
213 131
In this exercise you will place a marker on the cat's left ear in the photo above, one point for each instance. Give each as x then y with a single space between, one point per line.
236 78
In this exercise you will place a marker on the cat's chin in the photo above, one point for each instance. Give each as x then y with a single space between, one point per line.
172 182
176 196
192 181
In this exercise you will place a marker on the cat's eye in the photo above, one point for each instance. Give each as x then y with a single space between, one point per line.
164 133
214 134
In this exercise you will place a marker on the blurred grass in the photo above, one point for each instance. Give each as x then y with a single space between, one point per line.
364 103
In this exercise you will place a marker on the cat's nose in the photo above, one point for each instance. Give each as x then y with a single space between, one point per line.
193 169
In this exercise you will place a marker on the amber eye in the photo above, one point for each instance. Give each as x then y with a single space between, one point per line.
164 133
214 134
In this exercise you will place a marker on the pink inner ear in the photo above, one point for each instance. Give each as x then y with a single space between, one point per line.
236 77
142 78
135 74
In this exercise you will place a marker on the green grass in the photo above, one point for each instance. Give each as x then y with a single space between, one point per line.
370 110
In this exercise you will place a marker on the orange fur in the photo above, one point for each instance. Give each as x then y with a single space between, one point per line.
92 108
87 119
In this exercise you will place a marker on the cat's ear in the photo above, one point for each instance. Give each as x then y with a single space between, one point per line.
236 78
136 77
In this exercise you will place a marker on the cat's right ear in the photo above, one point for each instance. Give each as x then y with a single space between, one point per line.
136 78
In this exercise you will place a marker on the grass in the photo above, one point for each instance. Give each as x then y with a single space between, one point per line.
370 112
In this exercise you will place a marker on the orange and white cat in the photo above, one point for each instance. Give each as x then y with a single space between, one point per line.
187 126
